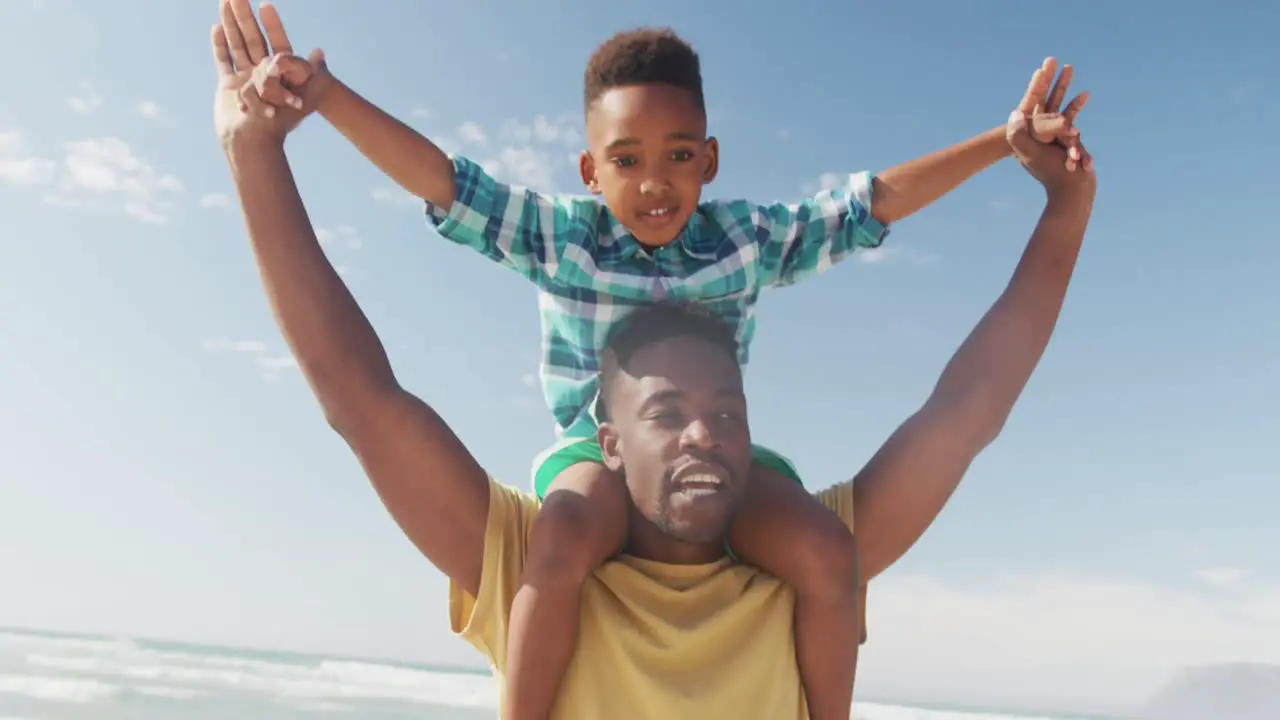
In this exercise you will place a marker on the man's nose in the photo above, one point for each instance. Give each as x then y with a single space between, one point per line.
699 435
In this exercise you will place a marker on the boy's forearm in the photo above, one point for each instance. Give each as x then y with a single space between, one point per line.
904 189
334 343
403 154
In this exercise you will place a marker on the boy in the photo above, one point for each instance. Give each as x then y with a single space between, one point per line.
648 156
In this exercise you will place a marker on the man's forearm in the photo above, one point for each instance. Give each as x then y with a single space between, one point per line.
399 151
904 189
992 366
334 343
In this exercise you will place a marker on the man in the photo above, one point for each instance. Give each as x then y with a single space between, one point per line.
673 629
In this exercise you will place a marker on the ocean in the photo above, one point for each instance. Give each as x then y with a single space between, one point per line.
47 676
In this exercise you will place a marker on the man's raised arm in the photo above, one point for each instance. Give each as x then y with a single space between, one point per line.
905 485
427 479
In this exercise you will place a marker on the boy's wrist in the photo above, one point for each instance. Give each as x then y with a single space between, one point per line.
332 95
997 138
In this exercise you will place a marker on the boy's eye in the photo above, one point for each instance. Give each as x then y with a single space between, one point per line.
682 155
624 161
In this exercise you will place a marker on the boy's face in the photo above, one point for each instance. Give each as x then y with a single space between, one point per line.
648 154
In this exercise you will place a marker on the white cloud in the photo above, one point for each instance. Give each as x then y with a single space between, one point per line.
18 166
1055 637
271 366
471 132
87 102
784 134
895 254
420 113
1222 576
216 201
343 235
542 130
528 166
105 173
529 380
149 109
833 181
395 196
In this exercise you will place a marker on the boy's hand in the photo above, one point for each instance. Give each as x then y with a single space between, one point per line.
1048 162
1041 104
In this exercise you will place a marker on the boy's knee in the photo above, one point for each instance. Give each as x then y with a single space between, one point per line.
572 534
826 559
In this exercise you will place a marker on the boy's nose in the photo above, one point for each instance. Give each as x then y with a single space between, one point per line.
654 186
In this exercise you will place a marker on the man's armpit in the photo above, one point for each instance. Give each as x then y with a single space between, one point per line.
483 620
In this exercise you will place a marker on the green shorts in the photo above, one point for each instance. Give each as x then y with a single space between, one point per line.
571 451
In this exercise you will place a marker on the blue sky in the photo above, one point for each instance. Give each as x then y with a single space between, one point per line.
164 471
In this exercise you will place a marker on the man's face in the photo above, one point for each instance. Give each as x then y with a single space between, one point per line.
678 431
649 156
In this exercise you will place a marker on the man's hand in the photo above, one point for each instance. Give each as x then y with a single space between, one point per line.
1041 104
264 90
1050 164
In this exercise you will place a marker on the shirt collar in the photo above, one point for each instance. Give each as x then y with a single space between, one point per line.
693 240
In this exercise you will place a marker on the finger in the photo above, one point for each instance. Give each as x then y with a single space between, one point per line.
221 54
276 35
293 70
1059 89
1086 160
1052 126
271 90
1075 106
249 96
235 40
1038 88
255 44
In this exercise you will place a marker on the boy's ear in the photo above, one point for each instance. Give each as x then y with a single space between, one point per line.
713 160
610 446
587 169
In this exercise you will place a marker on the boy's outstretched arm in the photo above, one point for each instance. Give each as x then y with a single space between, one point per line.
907 188
399 151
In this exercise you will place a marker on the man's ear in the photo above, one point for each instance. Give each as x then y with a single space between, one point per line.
587 169
713 161
610 446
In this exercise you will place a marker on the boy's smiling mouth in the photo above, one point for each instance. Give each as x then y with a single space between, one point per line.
658 216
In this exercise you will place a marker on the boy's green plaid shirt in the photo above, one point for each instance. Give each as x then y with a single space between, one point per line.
591 272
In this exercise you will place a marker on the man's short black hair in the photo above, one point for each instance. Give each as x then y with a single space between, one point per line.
655 323
644 56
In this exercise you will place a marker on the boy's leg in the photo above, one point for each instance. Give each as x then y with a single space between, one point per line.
581 524
785 531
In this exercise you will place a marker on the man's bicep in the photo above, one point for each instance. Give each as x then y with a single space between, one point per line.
427 479
900 492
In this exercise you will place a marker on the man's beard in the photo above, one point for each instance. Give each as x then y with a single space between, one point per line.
697 534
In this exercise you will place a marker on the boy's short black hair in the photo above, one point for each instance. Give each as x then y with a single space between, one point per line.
641 57
655 323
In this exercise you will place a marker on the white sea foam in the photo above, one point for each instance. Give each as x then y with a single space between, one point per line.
878 711
88 670
56 689
171 693
313 685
